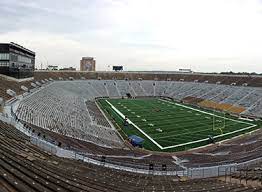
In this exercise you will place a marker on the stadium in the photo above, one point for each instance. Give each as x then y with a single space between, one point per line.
131 131
130 96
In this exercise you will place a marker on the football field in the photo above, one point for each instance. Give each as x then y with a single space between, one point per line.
169 126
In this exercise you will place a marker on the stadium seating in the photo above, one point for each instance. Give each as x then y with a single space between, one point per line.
148 86
251 98
160 87
100 87
244 100
255 81
64 112
227 153
137 88
15 86
97 117
237 110
112 88
233 151
238 95
66 102
192 100
251 175
25 168
208 104
218 93
184 91
237 100
227 92
124 88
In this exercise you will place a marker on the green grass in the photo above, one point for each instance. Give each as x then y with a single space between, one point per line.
171 125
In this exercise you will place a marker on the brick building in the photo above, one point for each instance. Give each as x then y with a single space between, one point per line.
87 64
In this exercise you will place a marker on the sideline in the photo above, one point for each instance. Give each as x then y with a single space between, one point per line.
217 136
184 106
130 122
188 143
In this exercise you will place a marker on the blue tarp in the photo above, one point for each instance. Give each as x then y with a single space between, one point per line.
135 140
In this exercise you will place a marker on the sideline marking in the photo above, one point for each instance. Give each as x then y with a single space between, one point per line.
182 144
130 122
207 112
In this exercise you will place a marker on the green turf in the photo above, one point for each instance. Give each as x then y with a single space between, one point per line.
170 124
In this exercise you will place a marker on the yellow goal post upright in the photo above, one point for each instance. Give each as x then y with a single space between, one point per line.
221 128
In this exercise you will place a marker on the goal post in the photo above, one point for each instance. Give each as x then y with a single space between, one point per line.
219 123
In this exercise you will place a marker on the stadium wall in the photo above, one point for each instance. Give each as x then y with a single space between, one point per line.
255 80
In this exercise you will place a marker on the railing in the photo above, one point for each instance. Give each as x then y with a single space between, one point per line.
201 172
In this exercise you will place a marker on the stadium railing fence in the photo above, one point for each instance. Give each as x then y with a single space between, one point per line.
200 172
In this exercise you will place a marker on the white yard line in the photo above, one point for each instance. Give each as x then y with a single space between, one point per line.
183 144
163 137
184 106
197 141
130 122
235 131
251 125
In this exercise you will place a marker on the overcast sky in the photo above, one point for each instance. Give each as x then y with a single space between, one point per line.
204 35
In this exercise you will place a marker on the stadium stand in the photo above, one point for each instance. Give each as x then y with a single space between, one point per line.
123 88
192 100
97 117
254 81
251 175
75 91
148 86
100 87
237 150
137 88
243 100
15 86
64 113
66 96
113 91
227 152
26 168
1 104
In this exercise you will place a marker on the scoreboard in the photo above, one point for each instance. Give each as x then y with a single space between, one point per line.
118 68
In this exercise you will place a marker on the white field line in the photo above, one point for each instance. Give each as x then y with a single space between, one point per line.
197 141
206 112
183 144
130 122
163 137
252 125
235 131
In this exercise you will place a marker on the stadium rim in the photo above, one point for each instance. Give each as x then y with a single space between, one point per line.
182 144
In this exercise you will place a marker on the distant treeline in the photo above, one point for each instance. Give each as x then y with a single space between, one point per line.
238 73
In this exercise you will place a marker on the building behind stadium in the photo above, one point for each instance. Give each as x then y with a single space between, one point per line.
87 64
16 60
